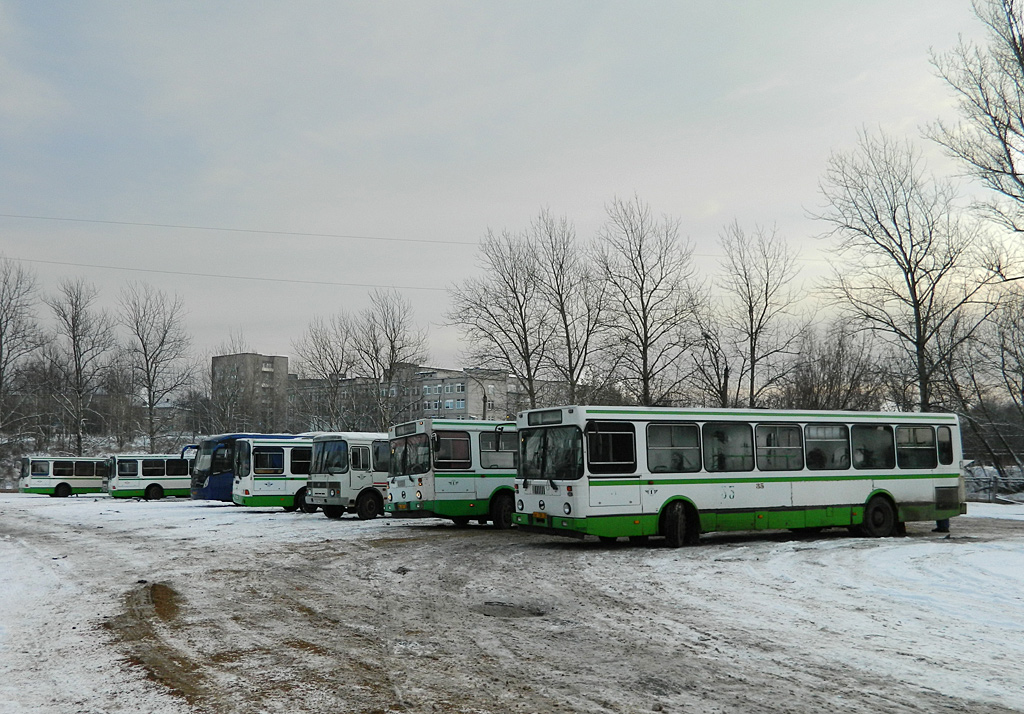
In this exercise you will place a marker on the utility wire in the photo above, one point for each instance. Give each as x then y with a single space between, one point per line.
231 277
237 230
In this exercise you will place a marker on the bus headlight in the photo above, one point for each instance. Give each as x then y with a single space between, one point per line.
391 496
333 492
540 505
419 495
519 505
566 509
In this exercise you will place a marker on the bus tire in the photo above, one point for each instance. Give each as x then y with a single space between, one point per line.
676 527
369 505
333 511
63 490
302 504
154 492
501 510
879 518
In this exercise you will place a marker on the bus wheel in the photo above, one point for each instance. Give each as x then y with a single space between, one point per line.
674 525
62 491
460 521
368 505
303 505
333 511
154 492
879 518
501 510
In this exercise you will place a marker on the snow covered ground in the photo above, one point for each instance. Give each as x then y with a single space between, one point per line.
179 606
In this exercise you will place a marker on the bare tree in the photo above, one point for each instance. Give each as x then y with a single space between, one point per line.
988 82
502 315
758 280
327 356
833 369
19 334
158 349
577 296
388 345
653 299
907 261
85 338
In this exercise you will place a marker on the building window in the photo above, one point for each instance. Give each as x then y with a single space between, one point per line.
449 403
460 387
447 389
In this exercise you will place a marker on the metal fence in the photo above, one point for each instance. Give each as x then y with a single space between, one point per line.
988 485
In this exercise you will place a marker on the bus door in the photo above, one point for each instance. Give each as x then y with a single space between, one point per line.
452 453
360 475
611 463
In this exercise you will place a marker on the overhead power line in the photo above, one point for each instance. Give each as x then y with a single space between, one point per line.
231 277
298 234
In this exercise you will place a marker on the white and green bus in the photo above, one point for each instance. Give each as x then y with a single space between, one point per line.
349 473
677 473
272 472
455 469
149 476
62 476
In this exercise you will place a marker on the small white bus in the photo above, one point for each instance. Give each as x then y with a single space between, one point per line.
349 473
455 469
272 472
638 472
149 476
62 476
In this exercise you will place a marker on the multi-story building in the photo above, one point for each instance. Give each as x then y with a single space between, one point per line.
249 392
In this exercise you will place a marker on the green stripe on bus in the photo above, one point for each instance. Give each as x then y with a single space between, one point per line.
795 416
654 481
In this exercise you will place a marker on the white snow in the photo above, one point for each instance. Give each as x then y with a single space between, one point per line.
928 615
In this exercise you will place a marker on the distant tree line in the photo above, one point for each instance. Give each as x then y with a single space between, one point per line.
921 307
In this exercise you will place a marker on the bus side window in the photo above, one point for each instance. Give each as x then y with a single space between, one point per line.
828 446
611 447
41 468
779 448
873 447
673 448
153 468
915 447
268 460
359 457
85 469
728 446
381 455
945 445
302 457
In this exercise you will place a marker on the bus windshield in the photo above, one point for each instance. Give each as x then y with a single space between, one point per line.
410 455
552 454
214 458
330 457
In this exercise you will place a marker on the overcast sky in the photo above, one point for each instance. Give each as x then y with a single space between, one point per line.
401 131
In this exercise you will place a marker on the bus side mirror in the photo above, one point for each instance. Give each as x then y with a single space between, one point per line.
435 442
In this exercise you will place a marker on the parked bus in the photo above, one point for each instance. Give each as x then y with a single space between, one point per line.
677 473
349 473
62 476
459 470
212 474
149 476
270 471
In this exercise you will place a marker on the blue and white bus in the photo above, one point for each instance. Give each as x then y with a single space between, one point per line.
213 473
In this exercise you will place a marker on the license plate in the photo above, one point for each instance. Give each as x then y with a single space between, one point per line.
539 516
403 506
